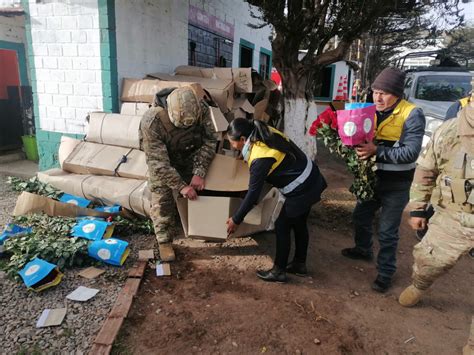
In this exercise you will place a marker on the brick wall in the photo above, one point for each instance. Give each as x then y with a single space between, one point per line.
65 45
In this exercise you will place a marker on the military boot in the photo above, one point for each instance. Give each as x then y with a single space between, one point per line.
410 296
166 252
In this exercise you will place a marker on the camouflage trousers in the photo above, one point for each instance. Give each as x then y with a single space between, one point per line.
442 246
163 211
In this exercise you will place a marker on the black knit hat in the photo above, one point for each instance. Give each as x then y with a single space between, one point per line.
391 80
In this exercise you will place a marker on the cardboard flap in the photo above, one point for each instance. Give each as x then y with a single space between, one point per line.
243 104
260 108
227 174
218 119
31 203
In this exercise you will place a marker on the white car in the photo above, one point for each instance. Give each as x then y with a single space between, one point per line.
434 91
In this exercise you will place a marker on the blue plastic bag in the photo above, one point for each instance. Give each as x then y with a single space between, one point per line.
92 229
111 251
75 200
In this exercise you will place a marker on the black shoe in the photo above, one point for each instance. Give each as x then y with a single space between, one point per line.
296 268
273 275
471 253
381 284
357 254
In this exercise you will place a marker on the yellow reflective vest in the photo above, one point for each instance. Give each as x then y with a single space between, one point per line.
464 101
391 128
261 150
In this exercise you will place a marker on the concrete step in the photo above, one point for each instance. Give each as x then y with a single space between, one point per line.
11 156
21 168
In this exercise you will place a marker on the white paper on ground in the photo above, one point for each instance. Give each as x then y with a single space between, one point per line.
82 294
163 269
51 317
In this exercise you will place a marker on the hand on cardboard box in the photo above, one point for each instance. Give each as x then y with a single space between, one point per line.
231 226
366 150
188 192
197 183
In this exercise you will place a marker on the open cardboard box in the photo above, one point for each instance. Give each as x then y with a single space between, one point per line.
242 77
205 217
221 90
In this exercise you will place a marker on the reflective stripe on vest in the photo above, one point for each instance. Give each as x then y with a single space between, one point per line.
464 101
300 179
261 150
391 130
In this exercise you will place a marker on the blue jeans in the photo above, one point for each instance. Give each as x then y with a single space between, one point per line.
391 197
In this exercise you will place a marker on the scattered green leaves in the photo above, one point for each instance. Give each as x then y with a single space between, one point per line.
49 241
34 186
132 226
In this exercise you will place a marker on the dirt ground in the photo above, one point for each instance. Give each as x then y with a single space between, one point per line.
214 304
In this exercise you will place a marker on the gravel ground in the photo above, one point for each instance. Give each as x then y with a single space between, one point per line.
20 308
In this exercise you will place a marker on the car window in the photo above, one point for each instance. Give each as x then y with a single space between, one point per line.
442 87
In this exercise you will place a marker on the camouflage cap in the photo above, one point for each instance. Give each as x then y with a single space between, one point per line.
184 108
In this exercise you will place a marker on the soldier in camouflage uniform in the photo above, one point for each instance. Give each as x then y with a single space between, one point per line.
444 175
179 143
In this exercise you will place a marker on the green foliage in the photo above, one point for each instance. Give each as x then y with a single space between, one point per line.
363 170
49 241
132 226
34 186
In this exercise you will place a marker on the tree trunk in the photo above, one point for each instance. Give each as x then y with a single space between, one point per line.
299 114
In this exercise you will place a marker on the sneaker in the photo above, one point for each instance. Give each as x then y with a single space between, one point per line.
357 254
381 284
272 275
296 268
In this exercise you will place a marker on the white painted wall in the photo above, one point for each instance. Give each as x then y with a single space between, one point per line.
237 12
66 49
152 36
12 29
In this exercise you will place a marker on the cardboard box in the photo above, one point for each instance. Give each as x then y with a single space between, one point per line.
114 129
260 108
221 90
205 217
132 194
134 108
242 107
108 160
144 90
28 203
242 77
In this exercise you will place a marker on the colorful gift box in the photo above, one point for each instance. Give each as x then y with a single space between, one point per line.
356 123
39 275
111 251
92 229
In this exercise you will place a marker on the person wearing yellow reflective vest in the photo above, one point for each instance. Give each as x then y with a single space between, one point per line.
399 133
275 159
456 107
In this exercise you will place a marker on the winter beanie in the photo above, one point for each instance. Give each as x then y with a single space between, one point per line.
391 80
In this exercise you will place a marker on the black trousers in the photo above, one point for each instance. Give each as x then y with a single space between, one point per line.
283 227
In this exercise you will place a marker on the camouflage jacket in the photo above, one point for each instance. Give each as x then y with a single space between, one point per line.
440 175
167 169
